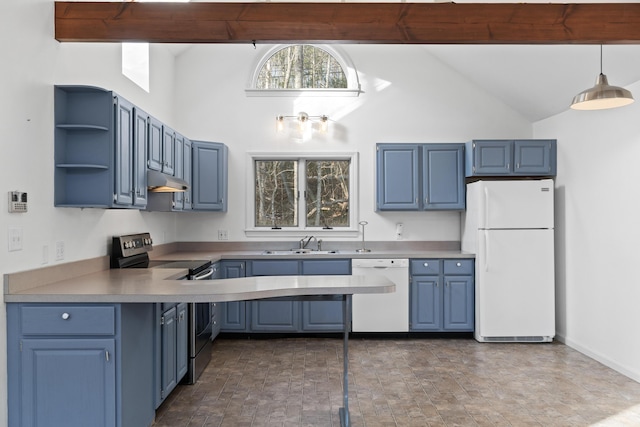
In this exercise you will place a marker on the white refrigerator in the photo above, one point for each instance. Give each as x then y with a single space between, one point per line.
508 224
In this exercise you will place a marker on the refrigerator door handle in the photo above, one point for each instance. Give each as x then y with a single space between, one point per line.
486 207
486 250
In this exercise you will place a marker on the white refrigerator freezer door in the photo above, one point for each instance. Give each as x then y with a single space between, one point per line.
515 284
513 204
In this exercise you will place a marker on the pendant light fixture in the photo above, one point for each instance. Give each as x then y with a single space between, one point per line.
602 95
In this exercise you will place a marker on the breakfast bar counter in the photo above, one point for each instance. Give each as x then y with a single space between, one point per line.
163 285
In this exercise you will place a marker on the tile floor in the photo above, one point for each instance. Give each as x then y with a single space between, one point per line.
402 382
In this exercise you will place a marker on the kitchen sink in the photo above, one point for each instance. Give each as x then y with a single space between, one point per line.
298 252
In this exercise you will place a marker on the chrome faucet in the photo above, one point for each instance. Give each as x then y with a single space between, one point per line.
303 243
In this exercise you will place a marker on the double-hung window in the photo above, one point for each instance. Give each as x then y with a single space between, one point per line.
302 192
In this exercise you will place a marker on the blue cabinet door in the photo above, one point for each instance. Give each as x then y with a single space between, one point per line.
154 146
124 152
68 382
324 316
458 303
209 176
168 150
140 141
233 315
397 183
186 173
491 158
426 303
169 332
443 185
275 314
178 170
534 157
182 344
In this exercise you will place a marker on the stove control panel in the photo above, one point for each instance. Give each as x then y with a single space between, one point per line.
131 244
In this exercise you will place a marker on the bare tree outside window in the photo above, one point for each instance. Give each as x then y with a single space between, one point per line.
301 67
325 187
327 193
276 195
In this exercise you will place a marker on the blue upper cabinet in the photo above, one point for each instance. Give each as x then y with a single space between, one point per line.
420 177
140 139
397 179
526 157
186 172
209 176
96 150
168 150
443 177
155 147
534 157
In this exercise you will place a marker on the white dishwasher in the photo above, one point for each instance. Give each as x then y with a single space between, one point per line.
382 312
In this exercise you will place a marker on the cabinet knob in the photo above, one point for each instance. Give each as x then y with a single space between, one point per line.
65 316
458 264
426 264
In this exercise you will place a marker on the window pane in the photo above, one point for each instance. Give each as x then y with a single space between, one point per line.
327 195
301 67
276 203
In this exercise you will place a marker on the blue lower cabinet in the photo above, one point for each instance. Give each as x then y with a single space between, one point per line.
68 382
426 303
275 315
233 315
324 316
442 295
63 373
283 315
458 303
171 348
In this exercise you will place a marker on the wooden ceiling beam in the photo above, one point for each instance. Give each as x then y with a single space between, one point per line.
386 23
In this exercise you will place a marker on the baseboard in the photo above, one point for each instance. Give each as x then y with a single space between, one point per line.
599 357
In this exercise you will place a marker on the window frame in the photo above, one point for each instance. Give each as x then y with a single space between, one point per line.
353 84
302 230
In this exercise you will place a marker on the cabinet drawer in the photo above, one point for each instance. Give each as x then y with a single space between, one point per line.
425 266
458 266
68 320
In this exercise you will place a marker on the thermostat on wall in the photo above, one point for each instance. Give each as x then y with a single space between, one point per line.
17 201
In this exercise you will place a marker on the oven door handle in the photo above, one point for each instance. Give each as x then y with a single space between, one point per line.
205 274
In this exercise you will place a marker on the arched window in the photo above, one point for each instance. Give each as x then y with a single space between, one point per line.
303 68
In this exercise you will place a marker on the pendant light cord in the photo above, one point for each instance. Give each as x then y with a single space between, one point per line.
600 59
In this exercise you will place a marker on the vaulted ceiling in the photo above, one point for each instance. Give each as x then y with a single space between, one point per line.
534 57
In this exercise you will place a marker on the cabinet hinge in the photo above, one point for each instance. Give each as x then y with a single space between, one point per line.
161 394
162 320
20 346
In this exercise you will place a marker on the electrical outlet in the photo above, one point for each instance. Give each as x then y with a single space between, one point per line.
399 230
223 235
15 239
59 251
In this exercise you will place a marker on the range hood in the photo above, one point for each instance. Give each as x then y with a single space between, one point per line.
158 182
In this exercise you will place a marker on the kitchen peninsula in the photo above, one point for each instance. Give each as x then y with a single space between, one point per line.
91 336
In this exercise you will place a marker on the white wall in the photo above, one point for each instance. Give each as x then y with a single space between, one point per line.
408 96
598 230
32 62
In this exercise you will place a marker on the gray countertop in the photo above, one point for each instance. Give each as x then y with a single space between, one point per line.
92 281
161 285
340 254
